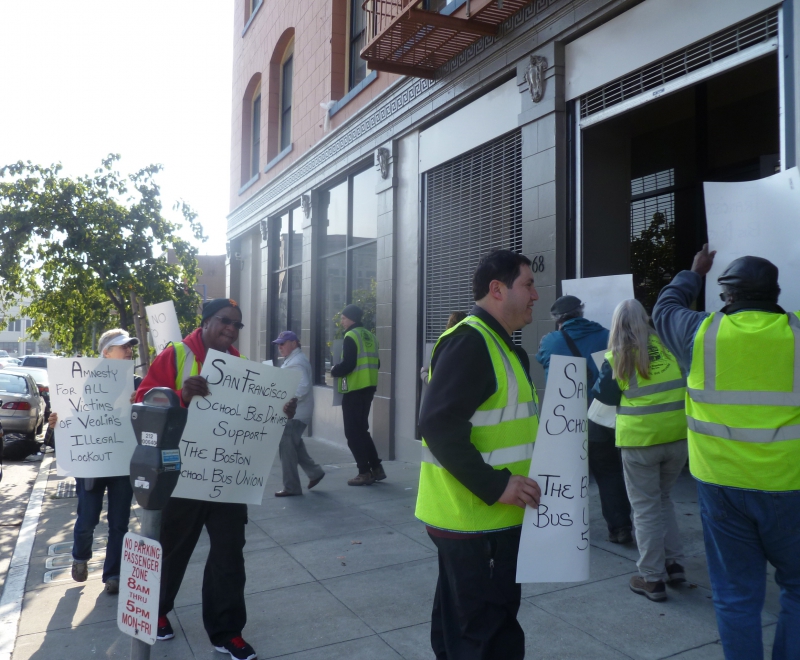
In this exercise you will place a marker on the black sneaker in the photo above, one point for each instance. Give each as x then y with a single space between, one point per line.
676 573
238 648
378 474
165 630
650 590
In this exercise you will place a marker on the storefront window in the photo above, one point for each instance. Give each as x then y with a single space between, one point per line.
349 259
286 244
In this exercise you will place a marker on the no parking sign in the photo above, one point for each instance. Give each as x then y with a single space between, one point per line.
139 587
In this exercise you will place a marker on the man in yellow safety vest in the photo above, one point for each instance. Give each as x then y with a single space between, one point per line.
357 379
743 415
479 421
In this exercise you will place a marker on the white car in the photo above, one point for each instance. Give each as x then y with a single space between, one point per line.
21 405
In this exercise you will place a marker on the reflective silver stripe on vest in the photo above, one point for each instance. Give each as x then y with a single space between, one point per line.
744 435
709 392
651 410
512 410
362 367
745 397
634 391
187 364
503 456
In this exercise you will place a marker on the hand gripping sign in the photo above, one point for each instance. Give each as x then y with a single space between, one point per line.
554 546
163 323
232 435
94 436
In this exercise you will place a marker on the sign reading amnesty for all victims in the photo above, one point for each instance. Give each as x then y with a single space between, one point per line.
94 436
232 435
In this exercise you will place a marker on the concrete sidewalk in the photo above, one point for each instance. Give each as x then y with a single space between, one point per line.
350 573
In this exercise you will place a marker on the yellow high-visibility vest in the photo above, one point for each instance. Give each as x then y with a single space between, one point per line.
186 363
366 372
503 430
743 401
652 411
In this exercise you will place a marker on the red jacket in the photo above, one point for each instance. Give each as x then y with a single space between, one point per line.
164 369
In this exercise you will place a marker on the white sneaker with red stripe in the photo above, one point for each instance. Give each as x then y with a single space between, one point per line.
238 648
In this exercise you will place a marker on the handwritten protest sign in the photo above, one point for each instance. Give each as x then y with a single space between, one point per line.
94 436
554 546
600 295
758 218
163 322
139 587
232 435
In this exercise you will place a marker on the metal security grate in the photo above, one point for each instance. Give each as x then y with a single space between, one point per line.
473 204
723 44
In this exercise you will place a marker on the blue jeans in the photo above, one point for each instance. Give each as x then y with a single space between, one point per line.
743 530
90 504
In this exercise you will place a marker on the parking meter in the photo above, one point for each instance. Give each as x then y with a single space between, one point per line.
158 423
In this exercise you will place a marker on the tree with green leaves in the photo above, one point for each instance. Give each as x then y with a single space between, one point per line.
653 259
78 248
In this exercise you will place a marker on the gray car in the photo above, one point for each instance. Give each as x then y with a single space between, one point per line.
21 406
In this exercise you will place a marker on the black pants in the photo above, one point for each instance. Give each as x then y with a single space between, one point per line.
224 612
477 598
605 463
355 413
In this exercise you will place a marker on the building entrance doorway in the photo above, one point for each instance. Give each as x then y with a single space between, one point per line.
642 208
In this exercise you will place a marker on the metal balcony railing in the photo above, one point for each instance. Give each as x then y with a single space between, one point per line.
405 38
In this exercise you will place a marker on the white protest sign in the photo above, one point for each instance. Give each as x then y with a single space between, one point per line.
94 436
232 435
336 354
163 322
757 218
600 295
554 546
139 587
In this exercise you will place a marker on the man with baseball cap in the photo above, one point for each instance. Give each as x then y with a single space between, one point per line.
292 449
580 337
357 379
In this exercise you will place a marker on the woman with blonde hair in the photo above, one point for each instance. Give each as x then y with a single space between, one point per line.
643 380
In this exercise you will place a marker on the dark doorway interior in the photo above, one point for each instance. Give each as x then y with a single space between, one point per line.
643 172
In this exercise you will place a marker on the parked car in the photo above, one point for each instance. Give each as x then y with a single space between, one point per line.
4 353
39 361
9 362
42 380
21 406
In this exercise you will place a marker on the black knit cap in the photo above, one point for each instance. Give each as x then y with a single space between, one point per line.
213 306
353 312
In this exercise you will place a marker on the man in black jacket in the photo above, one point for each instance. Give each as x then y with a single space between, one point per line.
357 378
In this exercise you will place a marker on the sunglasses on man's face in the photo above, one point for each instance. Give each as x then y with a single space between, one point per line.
226 321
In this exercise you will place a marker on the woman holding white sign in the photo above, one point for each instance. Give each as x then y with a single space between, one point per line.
643 379
116 345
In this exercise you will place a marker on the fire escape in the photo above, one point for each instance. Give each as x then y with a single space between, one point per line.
403 37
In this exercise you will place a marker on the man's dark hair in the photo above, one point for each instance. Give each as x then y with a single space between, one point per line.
501 265
732 294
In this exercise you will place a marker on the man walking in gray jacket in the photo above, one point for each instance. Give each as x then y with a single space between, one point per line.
292 449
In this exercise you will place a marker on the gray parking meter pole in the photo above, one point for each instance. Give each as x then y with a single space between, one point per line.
158 423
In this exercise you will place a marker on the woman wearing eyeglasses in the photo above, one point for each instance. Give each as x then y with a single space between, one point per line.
224 615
